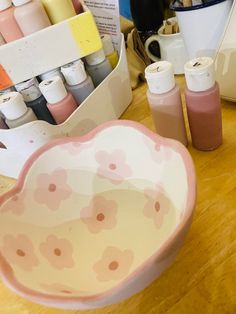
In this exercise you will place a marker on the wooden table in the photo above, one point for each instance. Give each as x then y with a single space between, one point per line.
203 277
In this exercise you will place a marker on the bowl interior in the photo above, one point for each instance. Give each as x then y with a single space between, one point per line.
90 212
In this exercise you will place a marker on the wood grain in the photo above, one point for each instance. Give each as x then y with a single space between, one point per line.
203 276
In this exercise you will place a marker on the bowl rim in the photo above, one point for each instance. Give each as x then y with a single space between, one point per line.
6 272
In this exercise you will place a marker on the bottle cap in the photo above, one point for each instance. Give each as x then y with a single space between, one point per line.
7 90
49 74
96 57
107 44
160 77
20 2
199 74
12 105
74 72
29 89
53 90
4 4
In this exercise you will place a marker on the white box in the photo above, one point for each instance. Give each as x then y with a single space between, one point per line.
48 49
107 102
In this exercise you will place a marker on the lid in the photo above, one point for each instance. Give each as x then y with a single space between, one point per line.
7 90
199 74
147 15
160 77
96 57
50 74
53 90
4 4
74 72
20 2
12 105
29 89
107 44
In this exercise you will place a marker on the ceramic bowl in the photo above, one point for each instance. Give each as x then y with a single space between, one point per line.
94 220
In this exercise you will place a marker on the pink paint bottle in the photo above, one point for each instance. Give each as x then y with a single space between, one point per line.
78 6
9 28
61 104
165 101
203 104
30 16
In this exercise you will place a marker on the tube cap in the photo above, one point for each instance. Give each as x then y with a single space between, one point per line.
4 4
20 2
12 105
199 74
160 77
49 74
74 72
29 89
53 90
107 44
96 57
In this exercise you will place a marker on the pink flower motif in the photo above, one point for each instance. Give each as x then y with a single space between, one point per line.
113 166
72 148
100 214
159 152
52 188
58 252
15 205
114 264
19 250
57 288
158 205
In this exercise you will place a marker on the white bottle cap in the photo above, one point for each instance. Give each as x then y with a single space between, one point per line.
4 4
7 90
12 105
53 90
74 72
107 44
199 74
50 74
20 2
160 77
29 89
96 57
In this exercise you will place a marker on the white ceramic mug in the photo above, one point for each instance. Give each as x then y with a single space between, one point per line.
172 49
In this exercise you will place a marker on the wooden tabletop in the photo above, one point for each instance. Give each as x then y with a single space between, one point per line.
202 279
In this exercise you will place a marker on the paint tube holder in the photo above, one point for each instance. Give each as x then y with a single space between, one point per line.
107 102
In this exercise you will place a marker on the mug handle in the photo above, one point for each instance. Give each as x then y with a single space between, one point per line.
151 39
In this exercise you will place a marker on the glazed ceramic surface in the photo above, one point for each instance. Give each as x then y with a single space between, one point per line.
94 219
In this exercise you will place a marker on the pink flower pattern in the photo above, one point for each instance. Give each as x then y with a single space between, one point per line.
15 205
115 264
58 252
52 189
72 148
100 214
157 206
19 250
158 151
113 166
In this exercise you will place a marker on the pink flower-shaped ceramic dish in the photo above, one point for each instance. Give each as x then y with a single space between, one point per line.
95 219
